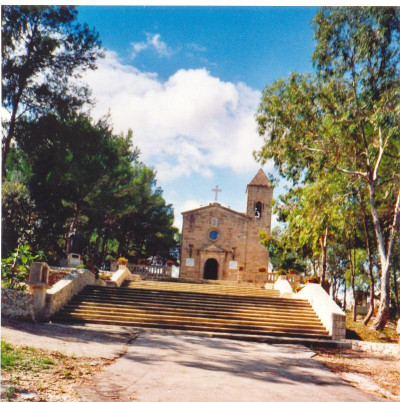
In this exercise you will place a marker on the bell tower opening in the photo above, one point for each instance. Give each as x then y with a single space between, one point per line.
258 210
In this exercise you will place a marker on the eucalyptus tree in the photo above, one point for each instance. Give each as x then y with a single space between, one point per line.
346 118
44 51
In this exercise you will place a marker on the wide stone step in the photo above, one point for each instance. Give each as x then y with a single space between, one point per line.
208 289
193 296
159 307
159 304
177 324
194 316
195 305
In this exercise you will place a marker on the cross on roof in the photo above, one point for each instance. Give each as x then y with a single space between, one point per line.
217 190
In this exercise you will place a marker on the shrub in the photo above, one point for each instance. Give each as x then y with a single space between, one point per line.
281 271
15 269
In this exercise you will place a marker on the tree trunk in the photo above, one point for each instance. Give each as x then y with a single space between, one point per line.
105 238
353 287
344 297
371 309
396 291
97 244
324 242
385 257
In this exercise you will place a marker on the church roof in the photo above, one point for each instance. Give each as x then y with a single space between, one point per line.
260 179
216 204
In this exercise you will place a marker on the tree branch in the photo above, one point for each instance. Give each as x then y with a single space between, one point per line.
353 172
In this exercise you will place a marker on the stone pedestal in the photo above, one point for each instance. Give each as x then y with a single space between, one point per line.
74 260
38 291
38 284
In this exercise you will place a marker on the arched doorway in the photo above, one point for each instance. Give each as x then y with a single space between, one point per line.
211 269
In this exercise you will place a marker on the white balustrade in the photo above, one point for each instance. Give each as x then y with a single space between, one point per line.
151 271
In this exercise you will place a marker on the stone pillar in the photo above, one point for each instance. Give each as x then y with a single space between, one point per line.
38 284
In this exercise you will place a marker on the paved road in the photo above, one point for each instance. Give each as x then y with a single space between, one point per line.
96 341
160 367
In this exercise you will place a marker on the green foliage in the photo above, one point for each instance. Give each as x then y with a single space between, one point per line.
281 271
27 359
336 135
43 41
8 359
19 222
283 253
15 268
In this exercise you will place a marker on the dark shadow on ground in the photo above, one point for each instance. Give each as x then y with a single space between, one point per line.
350 334
67 333
288 366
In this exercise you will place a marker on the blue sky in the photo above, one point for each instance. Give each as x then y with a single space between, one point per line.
188 80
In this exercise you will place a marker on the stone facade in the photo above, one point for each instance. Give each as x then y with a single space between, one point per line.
217 241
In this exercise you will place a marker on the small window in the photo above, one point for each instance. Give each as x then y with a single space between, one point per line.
258 210
213 235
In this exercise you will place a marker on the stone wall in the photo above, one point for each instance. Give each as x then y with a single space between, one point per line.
66 288
388 349
57 275
16 304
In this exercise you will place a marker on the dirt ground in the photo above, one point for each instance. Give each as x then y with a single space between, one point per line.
53 381
372 373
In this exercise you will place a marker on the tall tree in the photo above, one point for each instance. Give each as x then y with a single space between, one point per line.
44 51
346 118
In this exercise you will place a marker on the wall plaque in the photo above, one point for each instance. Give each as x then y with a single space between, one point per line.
190 262
233 264
214 222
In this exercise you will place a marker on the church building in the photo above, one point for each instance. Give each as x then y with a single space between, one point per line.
222 244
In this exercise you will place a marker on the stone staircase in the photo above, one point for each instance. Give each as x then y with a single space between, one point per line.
223 310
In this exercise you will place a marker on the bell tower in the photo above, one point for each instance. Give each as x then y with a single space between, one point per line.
259 196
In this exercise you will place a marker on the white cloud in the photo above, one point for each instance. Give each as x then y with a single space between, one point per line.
195 47
153 41
193 122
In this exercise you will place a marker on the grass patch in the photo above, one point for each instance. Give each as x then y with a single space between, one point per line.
357 330
25 359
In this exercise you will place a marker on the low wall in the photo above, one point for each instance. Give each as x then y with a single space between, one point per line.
118 277
57 275
63 291
151 271
284 287
333 318
388 349
16 304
